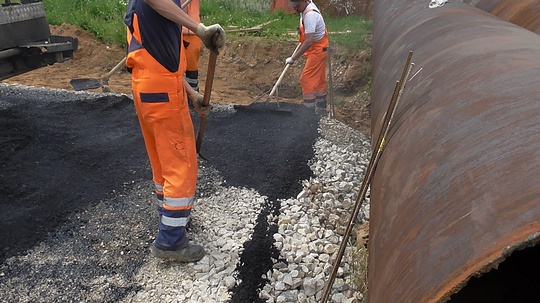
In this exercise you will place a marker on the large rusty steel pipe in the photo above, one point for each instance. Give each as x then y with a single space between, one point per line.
456 192
525 13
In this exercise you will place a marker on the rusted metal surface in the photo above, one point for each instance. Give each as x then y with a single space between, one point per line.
456 190
525 13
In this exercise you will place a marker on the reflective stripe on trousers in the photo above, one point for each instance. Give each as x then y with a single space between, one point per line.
313 78
161 103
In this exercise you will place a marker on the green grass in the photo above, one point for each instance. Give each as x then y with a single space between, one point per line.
349 32
104 18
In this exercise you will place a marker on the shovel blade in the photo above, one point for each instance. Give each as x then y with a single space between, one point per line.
268 107
85 83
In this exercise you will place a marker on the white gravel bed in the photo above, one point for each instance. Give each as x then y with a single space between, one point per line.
312 226
310 232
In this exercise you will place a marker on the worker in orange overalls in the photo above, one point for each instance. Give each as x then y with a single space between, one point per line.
193 45
157 64
313 37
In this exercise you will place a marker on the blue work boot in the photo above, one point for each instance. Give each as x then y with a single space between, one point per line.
171 242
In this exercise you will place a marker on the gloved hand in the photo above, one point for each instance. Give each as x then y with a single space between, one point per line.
197 99
206 34
289 60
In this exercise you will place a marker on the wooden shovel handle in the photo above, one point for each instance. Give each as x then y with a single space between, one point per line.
114 70
282 75
207 91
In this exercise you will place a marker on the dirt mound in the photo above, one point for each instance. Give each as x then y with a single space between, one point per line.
93 59
246 71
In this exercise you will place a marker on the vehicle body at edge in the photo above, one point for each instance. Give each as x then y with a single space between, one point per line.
26 42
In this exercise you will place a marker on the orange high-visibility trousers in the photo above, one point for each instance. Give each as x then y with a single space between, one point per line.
192 53
313 77
193 50
161 103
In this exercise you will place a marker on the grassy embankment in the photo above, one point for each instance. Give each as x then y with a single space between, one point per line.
104 18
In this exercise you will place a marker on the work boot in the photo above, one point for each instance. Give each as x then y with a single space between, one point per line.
321 102
309 103
320 105
190 253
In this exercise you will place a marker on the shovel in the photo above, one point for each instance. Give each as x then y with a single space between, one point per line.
273 91
90 83
212 58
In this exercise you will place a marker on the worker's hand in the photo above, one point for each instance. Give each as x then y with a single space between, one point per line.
289 60
197 99
206 33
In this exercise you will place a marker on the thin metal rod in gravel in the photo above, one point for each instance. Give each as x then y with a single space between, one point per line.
381 143
330 85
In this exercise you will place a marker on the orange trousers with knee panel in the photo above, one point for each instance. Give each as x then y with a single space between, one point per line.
161 104
313 77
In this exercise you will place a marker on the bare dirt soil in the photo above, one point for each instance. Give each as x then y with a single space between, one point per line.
246 71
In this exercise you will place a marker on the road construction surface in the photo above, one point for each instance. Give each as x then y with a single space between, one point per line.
64 153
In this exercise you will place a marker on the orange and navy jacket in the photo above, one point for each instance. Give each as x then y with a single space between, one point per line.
159 36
